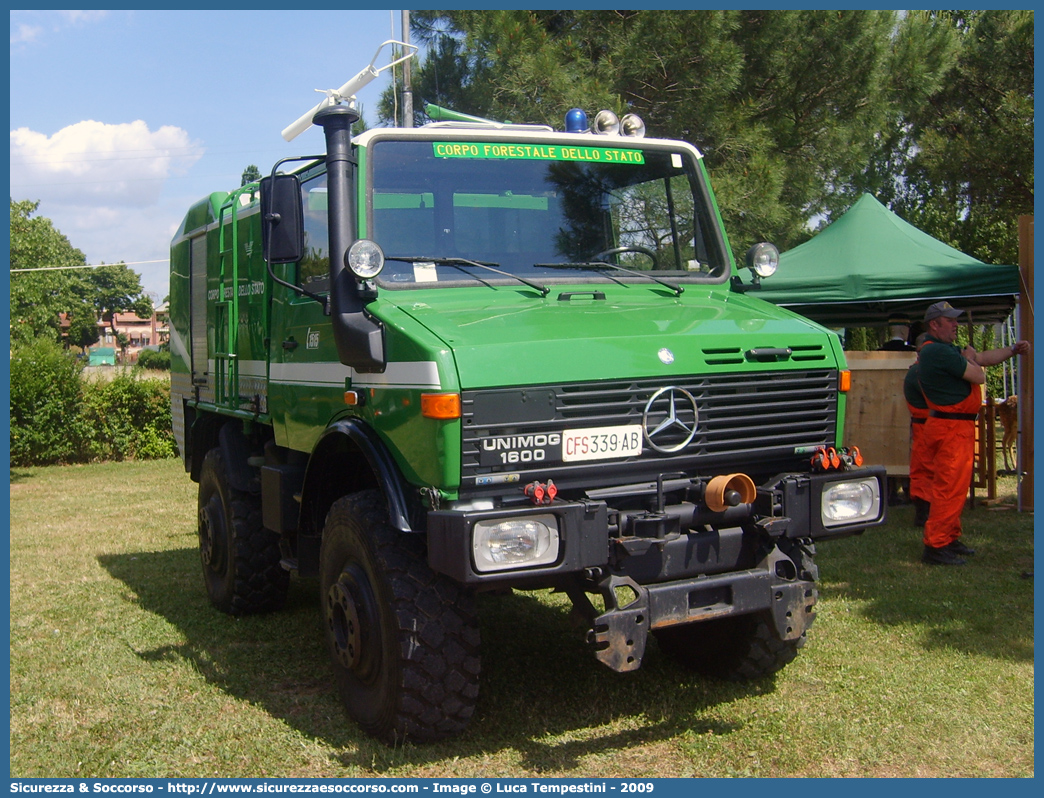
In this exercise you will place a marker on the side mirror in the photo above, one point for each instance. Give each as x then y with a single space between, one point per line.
282 224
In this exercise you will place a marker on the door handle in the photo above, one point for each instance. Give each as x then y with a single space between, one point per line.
290 345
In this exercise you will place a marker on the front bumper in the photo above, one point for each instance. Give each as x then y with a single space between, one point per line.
695 565
590 533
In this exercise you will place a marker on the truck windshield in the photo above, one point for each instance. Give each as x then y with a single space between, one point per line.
546 211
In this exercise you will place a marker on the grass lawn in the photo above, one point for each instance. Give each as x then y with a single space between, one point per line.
120 668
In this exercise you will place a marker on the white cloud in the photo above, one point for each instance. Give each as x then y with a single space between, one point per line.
23 34
41 22
77 17
99 164
102 185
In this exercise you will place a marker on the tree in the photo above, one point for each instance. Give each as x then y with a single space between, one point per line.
971 174
122 341
39 296
788 107
250 175
83 330
53 285
115 288
507 65
36 243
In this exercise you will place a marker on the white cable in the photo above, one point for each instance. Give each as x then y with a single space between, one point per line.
90 266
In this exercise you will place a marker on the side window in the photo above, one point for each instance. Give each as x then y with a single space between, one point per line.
314 270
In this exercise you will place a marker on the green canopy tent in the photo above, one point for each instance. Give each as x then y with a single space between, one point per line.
870 264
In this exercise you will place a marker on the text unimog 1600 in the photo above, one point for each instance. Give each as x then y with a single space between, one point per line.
558 379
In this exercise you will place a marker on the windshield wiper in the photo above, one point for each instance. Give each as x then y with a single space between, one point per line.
600 265
460 263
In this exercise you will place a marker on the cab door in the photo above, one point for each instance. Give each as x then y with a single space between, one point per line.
306 380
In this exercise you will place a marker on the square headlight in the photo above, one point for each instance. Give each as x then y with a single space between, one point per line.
850 502
519 542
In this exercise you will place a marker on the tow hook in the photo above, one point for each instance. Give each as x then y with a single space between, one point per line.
619 634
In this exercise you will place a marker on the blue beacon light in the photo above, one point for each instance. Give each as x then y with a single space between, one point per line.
576 121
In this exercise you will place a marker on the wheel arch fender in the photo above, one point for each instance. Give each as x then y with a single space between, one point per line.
236 450
349 457
210 430
202 436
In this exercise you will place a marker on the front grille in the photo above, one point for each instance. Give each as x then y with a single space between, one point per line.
755 422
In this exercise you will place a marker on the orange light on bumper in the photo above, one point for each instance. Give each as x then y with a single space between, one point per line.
844 381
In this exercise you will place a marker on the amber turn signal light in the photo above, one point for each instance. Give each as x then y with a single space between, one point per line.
440 405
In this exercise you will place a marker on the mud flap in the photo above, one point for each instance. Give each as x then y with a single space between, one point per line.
619 634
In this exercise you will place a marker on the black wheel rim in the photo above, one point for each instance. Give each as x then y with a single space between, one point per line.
353 621
212 547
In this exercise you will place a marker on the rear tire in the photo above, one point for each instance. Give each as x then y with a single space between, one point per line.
736 648
240 557
403 640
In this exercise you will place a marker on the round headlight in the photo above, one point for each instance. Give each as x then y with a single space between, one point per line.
365 259
632 125
763 259
606 123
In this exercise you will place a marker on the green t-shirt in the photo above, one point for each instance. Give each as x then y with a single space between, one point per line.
912 388
941 368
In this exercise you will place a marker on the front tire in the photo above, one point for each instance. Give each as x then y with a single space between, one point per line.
404 641
240 557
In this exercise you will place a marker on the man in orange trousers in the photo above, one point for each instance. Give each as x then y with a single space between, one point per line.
921 472
952 381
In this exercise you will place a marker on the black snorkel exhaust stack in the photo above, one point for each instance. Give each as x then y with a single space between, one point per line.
358 337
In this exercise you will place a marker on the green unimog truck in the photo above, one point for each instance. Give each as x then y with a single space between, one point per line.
467 357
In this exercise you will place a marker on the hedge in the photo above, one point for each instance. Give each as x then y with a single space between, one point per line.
151 359
58 416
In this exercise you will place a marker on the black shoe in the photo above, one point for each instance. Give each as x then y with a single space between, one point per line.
942 556
921 509
960 549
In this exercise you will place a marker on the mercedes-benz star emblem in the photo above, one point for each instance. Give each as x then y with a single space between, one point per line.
670 419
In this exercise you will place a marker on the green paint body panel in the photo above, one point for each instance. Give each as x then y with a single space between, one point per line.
506 337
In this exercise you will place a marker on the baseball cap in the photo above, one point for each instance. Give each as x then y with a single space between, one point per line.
941 309
899 318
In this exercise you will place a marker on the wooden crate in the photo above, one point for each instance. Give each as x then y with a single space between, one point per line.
877 419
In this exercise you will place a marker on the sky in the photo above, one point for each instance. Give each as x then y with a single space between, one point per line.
120 120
